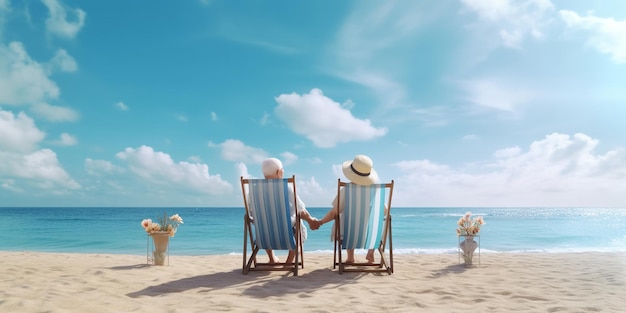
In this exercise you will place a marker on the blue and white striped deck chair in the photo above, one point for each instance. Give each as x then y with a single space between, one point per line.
268 224
364 224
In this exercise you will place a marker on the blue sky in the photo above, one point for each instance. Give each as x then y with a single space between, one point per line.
462 103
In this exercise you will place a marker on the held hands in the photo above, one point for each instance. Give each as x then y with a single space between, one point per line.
315 224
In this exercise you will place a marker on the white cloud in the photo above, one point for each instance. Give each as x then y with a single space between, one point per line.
490 10
213 116
159 169
559 170
322 120
242 171
236 151
40 169
288 157
22 163
58 22
66 139
122 106
194 159
348 104
18 133
23 80
513 20
101 167
63 61
310 191
422 167
9 185
606 34
26 82
54 113
494 94
337 170
508 152
471 137
512 39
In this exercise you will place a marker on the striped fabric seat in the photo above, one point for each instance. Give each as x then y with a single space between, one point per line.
364 214
269 204
268 223
364 224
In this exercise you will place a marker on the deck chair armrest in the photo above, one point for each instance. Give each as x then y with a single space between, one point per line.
248 218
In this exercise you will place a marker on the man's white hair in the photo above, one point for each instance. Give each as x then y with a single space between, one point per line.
270 166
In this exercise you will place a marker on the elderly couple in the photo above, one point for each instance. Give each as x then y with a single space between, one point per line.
359 171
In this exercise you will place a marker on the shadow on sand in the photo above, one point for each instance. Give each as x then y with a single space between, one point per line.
256 284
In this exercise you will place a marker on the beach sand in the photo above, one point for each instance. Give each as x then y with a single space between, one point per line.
64 282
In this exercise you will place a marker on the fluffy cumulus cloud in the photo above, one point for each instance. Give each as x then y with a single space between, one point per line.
18 133
558 170
66 139
159 169
63 61
322 120
606 34
25 82
288 157
62 21
242 170
237 151
41 168
513 20
25 166
518 20
311 192
507 152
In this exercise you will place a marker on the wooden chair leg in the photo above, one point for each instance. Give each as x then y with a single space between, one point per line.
245 244
335 255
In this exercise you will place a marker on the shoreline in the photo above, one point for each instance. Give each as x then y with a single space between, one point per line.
397 252
71 282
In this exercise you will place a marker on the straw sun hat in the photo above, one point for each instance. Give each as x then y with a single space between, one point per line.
360 170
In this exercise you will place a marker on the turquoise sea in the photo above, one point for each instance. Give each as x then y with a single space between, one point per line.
214 231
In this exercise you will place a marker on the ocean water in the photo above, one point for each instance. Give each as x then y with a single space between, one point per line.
215 231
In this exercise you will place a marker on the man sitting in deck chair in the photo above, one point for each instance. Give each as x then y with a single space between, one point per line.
273 169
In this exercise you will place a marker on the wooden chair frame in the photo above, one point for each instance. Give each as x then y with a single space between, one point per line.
250 263
385 264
